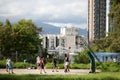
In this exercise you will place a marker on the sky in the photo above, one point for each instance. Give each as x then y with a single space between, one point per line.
59 13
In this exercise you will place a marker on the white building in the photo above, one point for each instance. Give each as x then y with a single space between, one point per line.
68 37
109 27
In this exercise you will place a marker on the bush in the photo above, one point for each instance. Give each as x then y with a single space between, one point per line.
2 63
110 67
22 65
50 66
72 66
16 64
82 58
79 66
61 66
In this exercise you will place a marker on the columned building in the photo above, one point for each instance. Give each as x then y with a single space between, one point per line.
68 37
96 19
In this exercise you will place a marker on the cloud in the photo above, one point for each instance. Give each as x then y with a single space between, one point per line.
82 26
55 11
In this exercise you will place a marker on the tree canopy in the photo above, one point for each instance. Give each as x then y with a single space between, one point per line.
21 37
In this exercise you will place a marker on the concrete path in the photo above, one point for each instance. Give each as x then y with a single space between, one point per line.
49 71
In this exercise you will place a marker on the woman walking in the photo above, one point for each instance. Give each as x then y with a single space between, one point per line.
42 65
66 63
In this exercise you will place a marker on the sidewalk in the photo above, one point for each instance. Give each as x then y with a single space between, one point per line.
49 72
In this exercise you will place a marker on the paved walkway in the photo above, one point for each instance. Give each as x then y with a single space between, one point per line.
49 71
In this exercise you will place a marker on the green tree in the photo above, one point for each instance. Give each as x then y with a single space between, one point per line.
21 37
115 22
82 57
5 38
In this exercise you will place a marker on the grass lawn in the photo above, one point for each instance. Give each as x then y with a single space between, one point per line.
91 76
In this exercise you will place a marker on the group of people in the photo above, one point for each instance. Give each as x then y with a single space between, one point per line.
9 67
41 64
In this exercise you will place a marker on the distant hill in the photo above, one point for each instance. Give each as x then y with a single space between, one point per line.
50 29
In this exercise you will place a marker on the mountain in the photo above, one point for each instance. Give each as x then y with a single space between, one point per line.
83 32
50 29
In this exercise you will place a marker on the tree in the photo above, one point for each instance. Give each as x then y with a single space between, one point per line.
82 57
115 45
21 37
115 22
5 38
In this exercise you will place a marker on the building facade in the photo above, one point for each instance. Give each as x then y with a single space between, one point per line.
109 27
96 19
68 37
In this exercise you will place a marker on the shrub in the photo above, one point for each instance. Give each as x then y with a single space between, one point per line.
2 63
79 66
61 66
72 66
110 67
16 64
82 58
21 65
50 66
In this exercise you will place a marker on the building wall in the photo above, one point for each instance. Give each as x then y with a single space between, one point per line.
69 31
96 19
110 27
66 39
91 19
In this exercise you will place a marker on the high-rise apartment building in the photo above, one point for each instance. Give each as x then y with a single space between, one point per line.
96 19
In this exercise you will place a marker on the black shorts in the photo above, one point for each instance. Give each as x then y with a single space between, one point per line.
54 65
42 66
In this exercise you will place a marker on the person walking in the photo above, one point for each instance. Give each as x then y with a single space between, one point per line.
10 66
42 65
38 61
66 63
55 64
